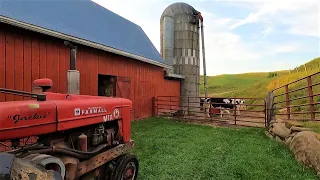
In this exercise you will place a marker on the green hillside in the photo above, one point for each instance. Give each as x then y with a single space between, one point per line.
257 85
238 84
218 85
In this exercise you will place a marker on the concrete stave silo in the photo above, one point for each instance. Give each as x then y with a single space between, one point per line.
180 47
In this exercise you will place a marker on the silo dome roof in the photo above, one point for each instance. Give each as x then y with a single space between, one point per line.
178 8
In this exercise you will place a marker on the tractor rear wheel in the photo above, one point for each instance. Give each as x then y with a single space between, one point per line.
126 168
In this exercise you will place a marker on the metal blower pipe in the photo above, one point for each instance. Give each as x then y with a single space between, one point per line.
203 57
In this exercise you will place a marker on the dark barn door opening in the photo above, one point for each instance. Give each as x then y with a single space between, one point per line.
106 85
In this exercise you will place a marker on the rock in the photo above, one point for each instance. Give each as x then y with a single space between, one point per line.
290 123
306 149
280 130
299 129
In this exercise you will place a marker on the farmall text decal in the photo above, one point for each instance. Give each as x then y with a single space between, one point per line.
88 111
97 110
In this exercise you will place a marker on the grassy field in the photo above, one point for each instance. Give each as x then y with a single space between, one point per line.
229 82
257 85
171 150
235 84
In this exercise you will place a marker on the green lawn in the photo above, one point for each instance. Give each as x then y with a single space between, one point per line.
173 150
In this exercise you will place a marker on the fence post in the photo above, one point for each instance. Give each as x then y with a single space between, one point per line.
311 98
287 101
270 109
235 113
154 106
170 106
188 106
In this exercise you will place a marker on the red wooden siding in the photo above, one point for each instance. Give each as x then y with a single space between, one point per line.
2 63
26 56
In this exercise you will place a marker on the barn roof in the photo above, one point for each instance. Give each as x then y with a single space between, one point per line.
83 22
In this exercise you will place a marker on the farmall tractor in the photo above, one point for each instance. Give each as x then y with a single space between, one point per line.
70 136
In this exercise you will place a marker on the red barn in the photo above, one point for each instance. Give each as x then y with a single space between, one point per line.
32 37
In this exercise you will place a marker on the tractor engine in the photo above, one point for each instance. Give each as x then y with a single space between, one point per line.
66 136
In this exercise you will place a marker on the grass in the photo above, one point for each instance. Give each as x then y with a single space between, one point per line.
230 82
172 150
315 126
257 85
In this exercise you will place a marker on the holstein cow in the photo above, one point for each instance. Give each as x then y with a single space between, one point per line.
224 104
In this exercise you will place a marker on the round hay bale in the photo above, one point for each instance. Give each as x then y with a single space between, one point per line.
306 149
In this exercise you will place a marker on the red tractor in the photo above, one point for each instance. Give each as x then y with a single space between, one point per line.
72 136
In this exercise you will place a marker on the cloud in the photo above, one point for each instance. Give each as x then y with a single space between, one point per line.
302 16
285 48
305 24
268 29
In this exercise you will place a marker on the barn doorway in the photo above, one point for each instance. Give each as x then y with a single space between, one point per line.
106 85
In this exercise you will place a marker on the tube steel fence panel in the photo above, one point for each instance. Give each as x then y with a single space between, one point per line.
251 113
300 98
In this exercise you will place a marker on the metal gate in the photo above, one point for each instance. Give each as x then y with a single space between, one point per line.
298 100
192 109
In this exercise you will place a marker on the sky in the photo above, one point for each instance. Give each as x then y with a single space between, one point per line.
240 35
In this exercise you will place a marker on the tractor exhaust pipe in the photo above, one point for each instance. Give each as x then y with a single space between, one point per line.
73 74
73 54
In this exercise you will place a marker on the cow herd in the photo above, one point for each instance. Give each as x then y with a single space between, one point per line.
224 104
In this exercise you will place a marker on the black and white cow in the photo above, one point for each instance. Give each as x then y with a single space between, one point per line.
225 104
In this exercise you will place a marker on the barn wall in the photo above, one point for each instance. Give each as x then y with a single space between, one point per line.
26 56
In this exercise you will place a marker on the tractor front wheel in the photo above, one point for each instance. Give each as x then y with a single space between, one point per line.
126 168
